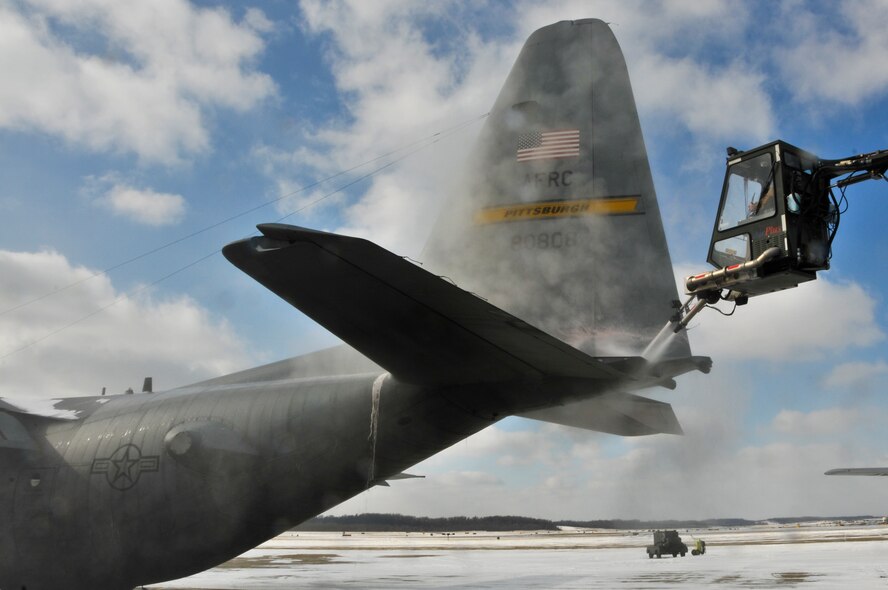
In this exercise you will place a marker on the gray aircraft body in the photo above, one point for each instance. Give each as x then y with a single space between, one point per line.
557 247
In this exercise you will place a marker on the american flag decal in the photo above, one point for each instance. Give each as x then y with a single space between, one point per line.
545 145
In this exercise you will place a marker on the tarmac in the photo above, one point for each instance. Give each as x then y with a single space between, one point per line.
814 555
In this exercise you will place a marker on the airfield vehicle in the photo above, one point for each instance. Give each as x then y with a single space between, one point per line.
667 542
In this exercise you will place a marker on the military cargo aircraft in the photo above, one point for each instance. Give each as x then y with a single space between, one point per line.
543 283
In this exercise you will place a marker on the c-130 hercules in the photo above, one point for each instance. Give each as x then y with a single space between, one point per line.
558 231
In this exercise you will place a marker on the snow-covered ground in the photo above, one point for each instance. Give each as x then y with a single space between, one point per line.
822 555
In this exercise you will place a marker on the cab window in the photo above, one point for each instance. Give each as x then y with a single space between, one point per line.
749 192
730 251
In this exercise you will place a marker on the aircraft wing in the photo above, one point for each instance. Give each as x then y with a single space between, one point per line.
44 408
14 434
418 326
18 414
858 471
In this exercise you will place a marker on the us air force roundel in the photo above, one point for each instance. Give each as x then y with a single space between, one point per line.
125 466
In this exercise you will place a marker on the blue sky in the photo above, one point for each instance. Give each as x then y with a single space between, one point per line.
125 127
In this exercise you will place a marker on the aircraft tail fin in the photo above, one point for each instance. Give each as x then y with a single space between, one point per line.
557 221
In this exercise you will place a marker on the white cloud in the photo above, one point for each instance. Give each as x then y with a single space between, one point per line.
459 479
520 447
398 88
844 63
144 205
174 340
855 374
394 197
257 21
777 327
706 102
143 90
816 423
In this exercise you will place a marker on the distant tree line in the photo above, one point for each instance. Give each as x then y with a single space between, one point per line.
658 524
373 522
402 523
795 519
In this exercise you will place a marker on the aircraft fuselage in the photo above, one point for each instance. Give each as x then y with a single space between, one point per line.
152 487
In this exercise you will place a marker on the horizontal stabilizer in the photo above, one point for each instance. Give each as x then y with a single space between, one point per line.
616 413
418 326
384 482
399 476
